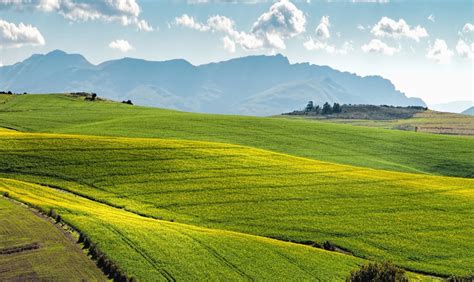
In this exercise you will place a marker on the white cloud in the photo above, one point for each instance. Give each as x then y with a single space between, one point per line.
439 52
388 27
464 49
125 12
316 45
190 22
322 30
431 18
1 64
15 36
377 46
468 28
360 27
229 44
221 23
282 21
121 45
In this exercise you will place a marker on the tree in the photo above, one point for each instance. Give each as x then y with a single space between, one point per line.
309 107
375 271
93 96
317 109
327 109
336 108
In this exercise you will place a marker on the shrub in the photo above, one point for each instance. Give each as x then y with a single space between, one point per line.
378 272
329 246
460 279
6 194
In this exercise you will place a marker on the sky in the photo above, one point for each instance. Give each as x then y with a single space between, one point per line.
426 48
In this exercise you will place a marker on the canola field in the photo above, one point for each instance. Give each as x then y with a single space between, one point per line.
420 222
345 144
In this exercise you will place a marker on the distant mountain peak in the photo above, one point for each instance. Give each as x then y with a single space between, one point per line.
255 85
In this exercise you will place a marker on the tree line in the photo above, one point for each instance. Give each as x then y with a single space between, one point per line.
326 109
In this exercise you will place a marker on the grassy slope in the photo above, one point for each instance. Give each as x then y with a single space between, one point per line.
420 222
154 250
57 258
360 146
429 121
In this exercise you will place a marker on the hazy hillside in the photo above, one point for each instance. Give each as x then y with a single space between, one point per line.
469 111
254 85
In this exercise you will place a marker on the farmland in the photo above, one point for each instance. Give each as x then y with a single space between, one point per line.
374 214
428 122
359 146
173 195
155 250
31 248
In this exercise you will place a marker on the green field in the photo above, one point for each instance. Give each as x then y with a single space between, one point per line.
155 250
164 202
359 146
420 222
33 249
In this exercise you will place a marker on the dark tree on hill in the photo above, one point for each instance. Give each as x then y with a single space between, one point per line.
327 109
317 109
336 108
93 96
309 107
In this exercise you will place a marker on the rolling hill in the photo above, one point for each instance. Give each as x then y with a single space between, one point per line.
255 85
174 195
360 146
157 250
373 214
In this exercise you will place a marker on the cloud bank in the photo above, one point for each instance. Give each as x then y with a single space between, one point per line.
388 27
15 36
282 21
125 12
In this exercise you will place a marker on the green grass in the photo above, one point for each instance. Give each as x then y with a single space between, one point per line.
419 222
155 250
58 258
359 146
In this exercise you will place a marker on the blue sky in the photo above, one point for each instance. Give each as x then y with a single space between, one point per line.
425 47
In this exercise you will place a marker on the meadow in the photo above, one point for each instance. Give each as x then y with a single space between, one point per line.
156 250
420 222
345 144
32 248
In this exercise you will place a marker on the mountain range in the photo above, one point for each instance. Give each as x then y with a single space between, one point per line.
253 85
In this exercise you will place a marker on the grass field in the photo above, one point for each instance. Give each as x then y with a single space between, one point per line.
154 250
428 122
359 146
424 223
33 249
